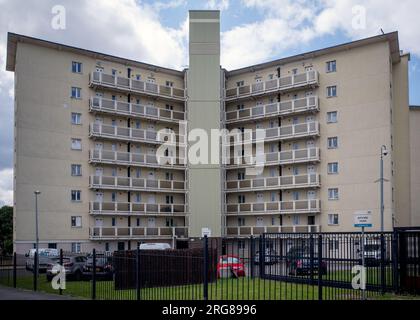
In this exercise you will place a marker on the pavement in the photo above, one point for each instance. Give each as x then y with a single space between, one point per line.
7 293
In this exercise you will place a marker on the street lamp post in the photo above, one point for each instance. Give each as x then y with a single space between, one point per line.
384 152
37 192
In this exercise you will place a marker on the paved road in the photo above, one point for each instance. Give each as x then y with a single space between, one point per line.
7 293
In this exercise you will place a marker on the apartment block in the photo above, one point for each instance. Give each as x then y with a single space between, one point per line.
88 128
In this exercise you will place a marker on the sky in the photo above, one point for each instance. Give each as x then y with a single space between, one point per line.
252 31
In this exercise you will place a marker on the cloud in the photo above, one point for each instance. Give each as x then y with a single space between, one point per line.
6 187
217 5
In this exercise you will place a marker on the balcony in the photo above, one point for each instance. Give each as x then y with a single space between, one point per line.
276 109
277 158
101 130
274 183
276 207
287 83
136 184
295 131
135 159
137 86
100 104
256 231
133 208
129 233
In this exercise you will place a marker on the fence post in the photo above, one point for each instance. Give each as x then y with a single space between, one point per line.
261 257
94 275
320 267
138 273
61 265
35 271
311 258
14 269
395 258
383 279
206 269
251 262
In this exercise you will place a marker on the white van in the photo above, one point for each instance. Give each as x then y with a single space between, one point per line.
155 246
44 257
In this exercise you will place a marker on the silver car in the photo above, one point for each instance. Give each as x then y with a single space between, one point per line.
73 266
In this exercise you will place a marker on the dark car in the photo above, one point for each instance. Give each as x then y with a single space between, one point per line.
72 264
303 265
104 267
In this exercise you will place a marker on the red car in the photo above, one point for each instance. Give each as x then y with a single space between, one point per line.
230 266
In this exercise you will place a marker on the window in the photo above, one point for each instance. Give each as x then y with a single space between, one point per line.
113 222
76 93
76 222
76 144
169 176
114 172
333 194
138 77
138 222
76 170
76 118
113 196
331 91
240 83
76 195
241 221
241 198
333 168
295 171
138 173
114 72
333 219
138 197
169 84
52 246
169 199
240 107
106 246
273 197
332 117
333 143
295 71
169 107
295 195
331 66
76 67
296 220
241 175
76 247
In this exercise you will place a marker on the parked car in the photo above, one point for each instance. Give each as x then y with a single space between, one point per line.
270 257
72 264
104 266
45 255
302 266
230 265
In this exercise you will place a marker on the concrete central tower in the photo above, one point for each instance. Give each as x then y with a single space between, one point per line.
204 103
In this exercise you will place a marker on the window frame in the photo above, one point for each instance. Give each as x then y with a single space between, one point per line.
76 90
77 70
333 219
76 192
74 173
331 62
332 164
78 116
76 219
332 146
73 140
329 120
332 195
328 91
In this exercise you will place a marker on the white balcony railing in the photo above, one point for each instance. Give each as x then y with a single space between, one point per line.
275 158
255 230
282 83
133 208
282 108
278 182
133 85
282 207
134 110
135 159
133 134
137 232
294 131
129 183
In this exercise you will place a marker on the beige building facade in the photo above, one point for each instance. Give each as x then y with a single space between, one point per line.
88 127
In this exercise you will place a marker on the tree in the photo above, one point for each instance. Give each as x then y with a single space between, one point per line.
6 229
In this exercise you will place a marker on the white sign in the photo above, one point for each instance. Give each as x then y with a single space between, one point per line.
206 232
363 219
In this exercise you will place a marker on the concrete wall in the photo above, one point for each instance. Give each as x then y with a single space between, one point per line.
415 169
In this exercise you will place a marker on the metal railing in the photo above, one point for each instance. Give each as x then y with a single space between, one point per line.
293 131
273 85
129 183
133 134
274 109
282 207
277 182
135 159
135 110
136 208
258 230
275 158
136 232
133 85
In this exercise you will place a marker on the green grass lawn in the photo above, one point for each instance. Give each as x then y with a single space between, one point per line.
224 289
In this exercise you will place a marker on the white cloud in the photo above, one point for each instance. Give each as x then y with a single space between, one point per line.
6 187
217 5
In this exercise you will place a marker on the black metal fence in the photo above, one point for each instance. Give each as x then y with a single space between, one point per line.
281 266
